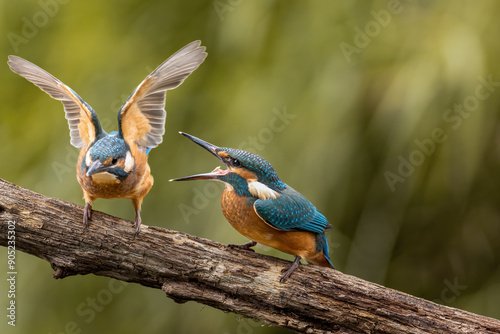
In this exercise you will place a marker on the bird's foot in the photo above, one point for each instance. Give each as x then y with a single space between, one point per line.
137 224
87 212
288 270
246 246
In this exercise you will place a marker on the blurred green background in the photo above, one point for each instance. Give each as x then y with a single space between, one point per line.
384 114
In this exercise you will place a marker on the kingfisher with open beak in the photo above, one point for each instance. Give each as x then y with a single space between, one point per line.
115 165
265 209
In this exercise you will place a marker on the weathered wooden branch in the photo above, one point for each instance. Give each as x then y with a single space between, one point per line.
185 267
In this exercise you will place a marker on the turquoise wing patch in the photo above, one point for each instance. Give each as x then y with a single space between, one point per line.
291 212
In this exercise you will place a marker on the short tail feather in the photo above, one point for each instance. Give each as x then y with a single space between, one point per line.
322 247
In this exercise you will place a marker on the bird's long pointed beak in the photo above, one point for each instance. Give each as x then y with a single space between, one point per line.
216 173
204 176
96 167
206 145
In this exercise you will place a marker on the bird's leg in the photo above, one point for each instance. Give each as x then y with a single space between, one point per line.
87 212
244 246
137 223
288 270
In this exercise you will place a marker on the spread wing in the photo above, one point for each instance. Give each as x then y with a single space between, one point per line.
142 118
83 123
291 212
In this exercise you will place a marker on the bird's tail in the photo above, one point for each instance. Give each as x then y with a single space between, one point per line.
322 258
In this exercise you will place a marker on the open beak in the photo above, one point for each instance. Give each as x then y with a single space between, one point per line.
96 167
216 173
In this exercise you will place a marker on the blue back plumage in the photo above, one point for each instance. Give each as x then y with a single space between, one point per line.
291 211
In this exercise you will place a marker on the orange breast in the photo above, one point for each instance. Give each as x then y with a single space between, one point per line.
241 215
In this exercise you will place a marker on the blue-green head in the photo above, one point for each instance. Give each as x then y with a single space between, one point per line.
248 173
108 160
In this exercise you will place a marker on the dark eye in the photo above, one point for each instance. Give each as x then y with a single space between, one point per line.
235 163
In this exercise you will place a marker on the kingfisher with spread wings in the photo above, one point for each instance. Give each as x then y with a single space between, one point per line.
115 165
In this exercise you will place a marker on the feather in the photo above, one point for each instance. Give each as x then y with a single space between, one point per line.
83 123
291 212
141 119
261 191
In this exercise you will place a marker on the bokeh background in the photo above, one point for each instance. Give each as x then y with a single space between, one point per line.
385 114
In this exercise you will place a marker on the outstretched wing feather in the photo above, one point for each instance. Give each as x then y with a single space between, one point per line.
83 123
142 118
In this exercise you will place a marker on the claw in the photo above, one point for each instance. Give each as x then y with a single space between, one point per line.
288 270
244 246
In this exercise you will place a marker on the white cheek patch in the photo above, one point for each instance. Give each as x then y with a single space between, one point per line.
261 191
129 162
87 159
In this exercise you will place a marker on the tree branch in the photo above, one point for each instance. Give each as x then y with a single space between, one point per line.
185 267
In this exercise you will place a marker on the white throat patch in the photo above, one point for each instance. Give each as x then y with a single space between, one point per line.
261 191
105 177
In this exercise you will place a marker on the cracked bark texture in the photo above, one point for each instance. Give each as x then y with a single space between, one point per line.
188 268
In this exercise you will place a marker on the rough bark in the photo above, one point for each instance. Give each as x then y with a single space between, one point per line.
185 267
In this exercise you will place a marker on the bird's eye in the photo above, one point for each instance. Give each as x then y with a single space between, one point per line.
114 161
235 163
